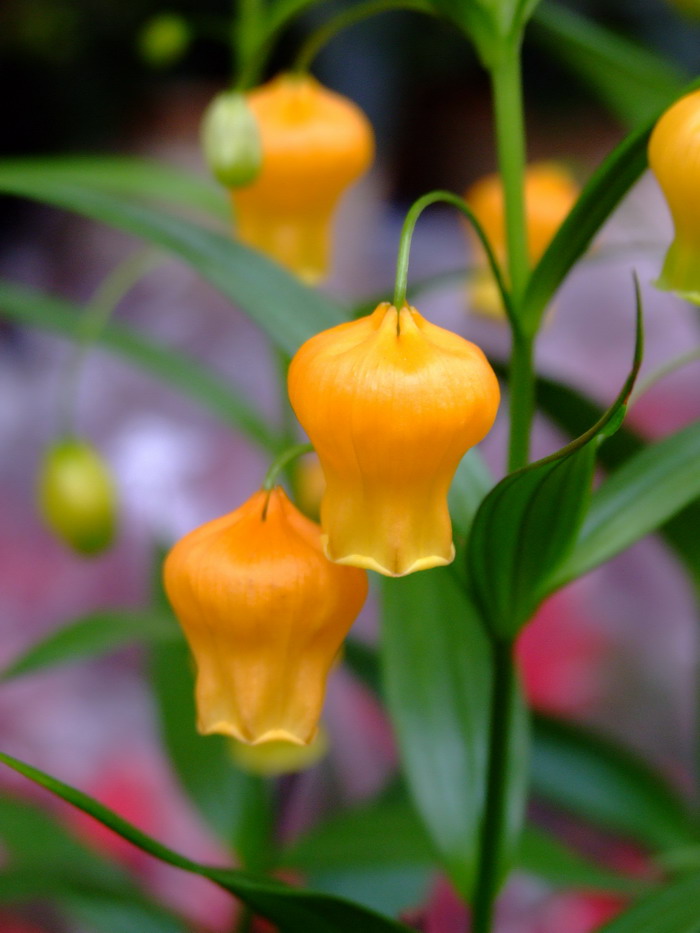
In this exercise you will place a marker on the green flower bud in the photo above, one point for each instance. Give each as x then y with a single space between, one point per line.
163 40
231 140
76 496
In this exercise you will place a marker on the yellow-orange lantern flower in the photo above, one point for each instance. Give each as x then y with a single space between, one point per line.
391 404
315 143
265 614
674 158
550 193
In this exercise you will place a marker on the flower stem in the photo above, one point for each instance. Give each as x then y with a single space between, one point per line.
109 294
414 212
316 41
521 383
494 825
510 144
279 463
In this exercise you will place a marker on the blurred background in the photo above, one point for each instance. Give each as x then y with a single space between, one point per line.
616 651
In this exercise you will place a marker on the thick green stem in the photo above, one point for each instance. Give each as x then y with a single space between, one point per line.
521 384
510 145
495 813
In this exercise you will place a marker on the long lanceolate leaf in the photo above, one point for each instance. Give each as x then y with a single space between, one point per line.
674 909
35 309
638 498
292 909
438 679
528 523
288 311
601 195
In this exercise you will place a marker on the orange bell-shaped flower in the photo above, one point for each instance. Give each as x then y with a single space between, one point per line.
391 403
315 143
674 158
550 193
265 614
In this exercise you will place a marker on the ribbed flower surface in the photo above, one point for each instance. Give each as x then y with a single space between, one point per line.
265 614
391 403
315 143
674 158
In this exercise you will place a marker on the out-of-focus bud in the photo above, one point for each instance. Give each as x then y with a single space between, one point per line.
391 404
674 158
309 485
265 614
231 140
315 143
77 497
273 758
550 193
164 39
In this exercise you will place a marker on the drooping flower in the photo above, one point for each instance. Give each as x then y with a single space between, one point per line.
391 404
76 496
674 158
315 143
265 614
274 758
550 193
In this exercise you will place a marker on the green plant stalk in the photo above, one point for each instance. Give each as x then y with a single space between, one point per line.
316 41
502 706
245 34
510 144
109 294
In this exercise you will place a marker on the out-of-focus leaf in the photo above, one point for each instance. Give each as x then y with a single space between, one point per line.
471 484
529 522
640 496
389 890
603 192
633 81
292 909
36 309
673 909
47 862
598 780
286 310
131 178
386 831
95 634
438 678
543 855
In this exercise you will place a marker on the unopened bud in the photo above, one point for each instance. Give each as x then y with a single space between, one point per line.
76 496
231 140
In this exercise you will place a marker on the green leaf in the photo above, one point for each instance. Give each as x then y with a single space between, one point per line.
651 487
674 909
634 82
293 909
128 177
47 862
386 831
287 311
599 781
95 634
529 522
35 309
438 683
605 189
543 855
572 411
